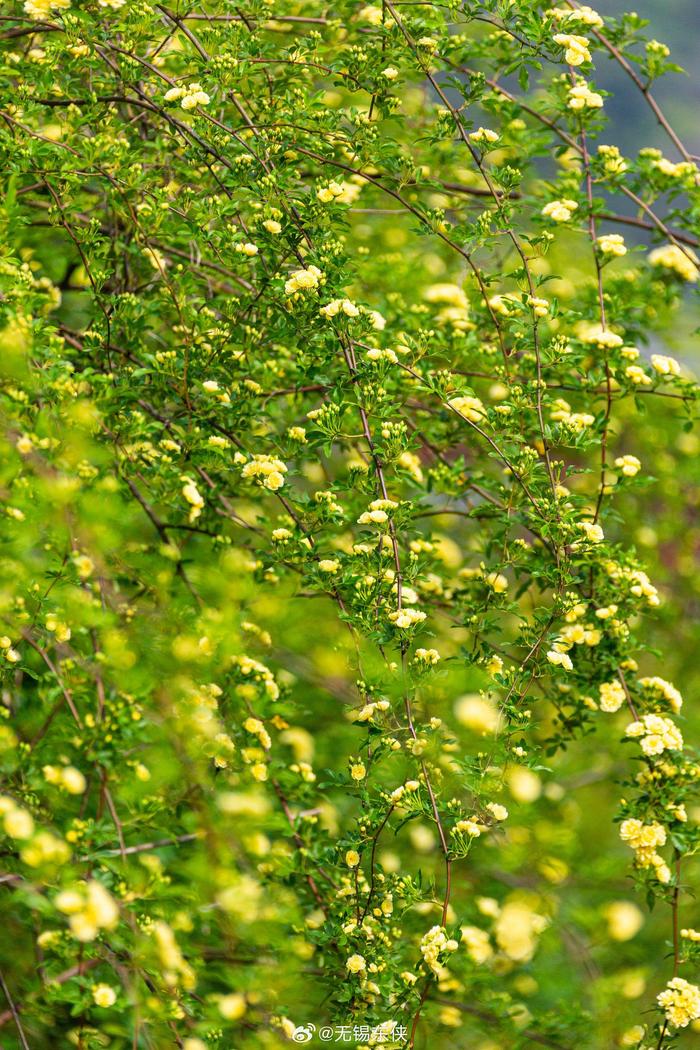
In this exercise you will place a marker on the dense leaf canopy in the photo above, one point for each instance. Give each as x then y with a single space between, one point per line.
349 495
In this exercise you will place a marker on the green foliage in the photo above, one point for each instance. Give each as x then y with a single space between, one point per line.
349 505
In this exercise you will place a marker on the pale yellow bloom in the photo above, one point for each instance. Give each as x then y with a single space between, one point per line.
356 964
581 97
680 1002
232 1007
498 812
625 920
612 696
665 366
560 210
612 244
516 930
477 713
477 943
472 408
576 48
637 375
103 995
629 465
484 135
682 261
303 280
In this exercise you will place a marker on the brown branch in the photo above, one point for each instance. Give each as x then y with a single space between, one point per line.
14 1012
67 695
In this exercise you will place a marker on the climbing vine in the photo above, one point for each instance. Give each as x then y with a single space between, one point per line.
349 498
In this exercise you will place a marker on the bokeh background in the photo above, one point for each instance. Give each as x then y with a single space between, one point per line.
677 24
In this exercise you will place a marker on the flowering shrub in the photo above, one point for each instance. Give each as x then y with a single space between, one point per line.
347 530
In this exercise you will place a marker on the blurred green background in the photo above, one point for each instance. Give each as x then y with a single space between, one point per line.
677 24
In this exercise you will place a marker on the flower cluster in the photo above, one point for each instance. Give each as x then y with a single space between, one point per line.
189 97
680 1001
269 471
656 733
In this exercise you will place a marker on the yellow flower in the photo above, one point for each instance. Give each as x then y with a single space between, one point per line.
267 470
596 334
90 908
427 656
665 366
560 659
613 162
372 14
103 995
633 1036
18 823
656 734
560 210
581 13
629 465
247 249
494 665
637 375
612 244
194 96
433 943
84 566
41 9
336 306
683 262
356 964
665 689
232 1007
497 811
192 496
576 52
625 920
469 407
593 532
524 784
484 135
539 306
516 930
680 1002
352 858
73 780
675 171
405 618
477 943
612 696
303 280
581 97
468 827
477 713
328 193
